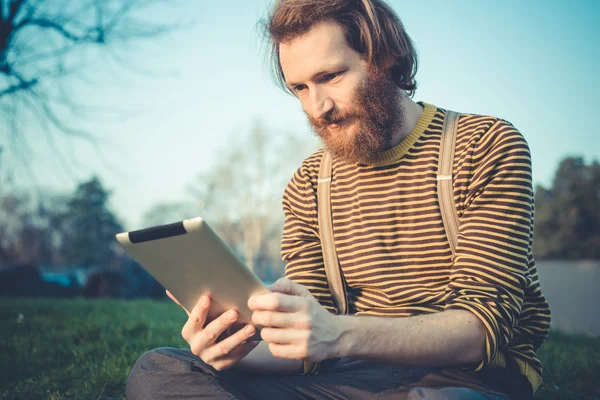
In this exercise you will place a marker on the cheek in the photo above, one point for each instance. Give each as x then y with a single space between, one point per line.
305 108
348 95
305 105
346 100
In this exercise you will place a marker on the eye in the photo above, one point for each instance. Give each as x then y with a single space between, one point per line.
332 76
299 88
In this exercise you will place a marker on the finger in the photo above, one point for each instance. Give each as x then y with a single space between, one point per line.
177 302
277 319
287 351
276 302
237 354
219 325
201 309
196 319
284 336
284 285
227 346
243 349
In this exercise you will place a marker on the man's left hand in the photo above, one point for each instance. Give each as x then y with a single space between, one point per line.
295 325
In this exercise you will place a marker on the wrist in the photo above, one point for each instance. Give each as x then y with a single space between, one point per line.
346 339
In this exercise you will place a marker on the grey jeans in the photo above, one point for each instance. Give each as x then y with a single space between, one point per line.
171 373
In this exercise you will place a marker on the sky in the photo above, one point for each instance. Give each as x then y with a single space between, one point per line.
532 63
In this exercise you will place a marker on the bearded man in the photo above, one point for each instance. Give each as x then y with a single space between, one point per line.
424 320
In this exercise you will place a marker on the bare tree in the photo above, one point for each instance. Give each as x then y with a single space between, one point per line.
43 46
169 212
241 195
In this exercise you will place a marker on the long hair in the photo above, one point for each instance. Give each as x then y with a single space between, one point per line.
370 27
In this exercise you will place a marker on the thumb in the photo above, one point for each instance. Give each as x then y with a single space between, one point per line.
284 285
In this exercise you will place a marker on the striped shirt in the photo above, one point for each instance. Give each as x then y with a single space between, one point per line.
391 242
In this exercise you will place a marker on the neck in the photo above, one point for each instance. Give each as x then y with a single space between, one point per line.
412 112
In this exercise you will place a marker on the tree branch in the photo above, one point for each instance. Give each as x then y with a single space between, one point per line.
22 85
36 63
47 24
14 8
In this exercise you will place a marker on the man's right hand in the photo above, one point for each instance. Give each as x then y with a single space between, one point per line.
203 340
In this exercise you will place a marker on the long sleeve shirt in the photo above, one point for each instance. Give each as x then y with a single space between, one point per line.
391 243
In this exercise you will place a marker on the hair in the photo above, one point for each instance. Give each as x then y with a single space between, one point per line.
371 28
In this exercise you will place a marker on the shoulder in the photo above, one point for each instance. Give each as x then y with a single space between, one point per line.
300 195
483 134
308 173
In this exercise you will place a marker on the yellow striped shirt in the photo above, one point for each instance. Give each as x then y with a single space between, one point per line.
391 242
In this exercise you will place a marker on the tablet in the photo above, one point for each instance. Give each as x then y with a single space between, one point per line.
189 259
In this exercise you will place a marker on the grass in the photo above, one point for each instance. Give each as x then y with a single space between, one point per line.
84 349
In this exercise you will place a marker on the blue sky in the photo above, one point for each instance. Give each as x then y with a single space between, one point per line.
533 63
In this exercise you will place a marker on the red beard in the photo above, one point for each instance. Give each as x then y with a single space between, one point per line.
375 118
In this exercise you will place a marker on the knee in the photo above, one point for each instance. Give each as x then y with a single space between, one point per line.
145 375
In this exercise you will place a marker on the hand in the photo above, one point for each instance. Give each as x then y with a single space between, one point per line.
203 341
296 326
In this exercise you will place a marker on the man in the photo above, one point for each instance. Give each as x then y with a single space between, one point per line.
424 323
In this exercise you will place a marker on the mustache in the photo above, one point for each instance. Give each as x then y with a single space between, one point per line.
332 117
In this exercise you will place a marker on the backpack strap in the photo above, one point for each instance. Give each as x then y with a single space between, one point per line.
444 178
337 285
336 282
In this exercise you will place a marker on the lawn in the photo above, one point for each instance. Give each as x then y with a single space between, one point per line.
84 349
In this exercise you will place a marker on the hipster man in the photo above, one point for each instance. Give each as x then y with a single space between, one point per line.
424 322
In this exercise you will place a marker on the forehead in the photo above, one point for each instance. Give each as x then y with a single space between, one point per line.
323 46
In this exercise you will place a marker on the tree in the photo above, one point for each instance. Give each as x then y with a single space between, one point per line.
90 227
59 231
166 213
241 195
43 44
15 218
31 231
567 219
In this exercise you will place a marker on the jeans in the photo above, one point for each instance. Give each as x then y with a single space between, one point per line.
171 373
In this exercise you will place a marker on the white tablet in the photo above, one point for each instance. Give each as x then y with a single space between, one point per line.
189 259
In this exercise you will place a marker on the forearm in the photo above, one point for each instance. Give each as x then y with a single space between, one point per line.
451 337
261 360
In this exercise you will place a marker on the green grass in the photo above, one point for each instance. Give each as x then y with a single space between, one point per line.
84 349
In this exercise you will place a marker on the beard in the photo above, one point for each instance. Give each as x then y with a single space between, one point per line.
376 116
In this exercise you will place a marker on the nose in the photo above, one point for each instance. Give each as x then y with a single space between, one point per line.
322 104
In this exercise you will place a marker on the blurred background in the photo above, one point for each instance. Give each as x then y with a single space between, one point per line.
118 115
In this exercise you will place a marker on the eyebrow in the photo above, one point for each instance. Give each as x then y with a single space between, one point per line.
324 71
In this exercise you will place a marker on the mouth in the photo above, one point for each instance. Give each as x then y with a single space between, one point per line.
337 124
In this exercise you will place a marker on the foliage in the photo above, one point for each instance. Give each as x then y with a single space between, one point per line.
90 227
241 195
166 213
31 231
567 220
68 230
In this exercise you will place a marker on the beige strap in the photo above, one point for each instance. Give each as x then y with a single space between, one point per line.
444 178
330 259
